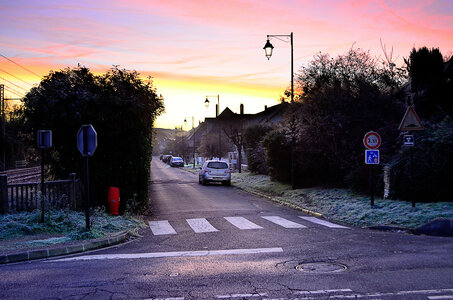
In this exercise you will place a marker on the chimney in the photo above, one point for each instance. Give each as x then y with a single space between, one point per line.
265 107
241 108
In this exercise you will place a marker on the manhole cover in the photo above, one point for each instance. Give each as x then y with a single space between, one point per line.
321 267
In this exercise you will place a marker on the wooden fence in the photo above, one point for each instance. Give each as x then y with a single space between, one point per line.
26 196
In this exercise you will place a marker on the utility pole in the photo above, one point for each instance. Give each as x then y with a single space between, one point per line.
2 99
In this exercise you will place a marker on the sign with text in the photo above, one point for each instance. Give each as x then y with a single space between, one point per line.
372 140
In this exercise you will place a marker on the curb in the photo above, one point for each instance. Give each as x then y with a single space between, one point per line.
47 253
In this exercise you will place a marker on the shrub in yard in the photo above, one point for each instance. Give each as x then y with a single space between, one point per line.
432 168
254 150
278 153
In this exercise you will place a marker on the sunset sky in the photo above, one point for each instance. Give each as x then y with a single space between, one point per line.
195 48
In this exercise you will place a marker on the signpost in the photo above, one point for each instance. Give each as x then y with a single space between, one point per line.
410 122
87 143
372 140
44 141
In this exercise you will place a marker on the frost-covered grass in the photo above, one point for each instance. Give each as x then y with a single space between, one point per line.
345 206
67 223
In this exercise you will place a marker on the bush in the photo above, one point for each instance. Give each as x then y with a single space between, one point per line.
254 150
278 153
432 168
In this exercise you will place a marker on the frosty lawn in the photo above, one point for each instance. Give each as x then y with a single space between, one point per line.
345 206
63 225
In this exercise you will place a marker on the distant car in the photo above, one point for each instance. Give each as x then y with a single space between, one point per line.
176 162
215 171
166 158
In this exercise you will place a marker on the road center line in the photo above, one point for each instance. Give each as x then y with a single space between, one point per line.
173 254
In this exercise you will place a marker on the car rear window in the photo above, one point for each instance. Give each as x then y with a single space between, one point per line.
177 159
217 165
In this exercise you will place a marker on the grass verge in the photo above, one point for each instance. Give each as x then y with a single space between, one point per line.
24 230
345 206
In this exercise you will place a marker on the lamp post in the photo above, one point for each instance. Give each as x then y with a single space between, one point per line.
193 139
268 49
217 113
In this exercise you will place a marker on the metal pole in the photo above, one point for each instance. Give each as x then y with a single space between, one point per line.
218 120
193 141
2 98
43 189
412 176
292 69
87 194
372 184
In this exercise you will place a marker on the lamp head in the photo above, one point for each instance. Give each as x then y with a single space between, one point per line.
268 49
206 102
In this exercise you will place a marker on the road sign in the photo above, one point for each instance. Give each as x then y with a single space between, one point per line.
410 121
372 157
87 140
408 140
44 139
372 140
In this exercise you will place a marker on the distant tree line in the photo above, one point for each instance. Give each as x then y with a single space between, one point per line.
346 96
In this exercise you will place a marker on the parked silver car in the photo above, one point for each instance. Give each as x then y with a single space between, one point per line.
215 171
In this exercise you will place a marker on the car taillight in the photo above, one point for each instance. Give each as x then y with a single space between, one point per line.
227 171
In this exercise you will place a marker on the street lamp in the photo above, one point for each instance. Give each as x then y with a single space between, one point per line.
193 139
268 49
217 109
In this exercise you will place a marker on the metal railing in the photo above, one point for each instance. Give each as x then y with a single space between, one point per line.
27 196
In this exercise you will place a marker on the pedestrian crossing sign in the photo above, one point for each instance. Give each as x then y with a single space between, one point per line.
372 157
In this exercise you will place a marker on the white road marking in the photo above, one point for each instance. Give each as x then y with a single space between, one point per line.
322 222
229 296
399 293
283 222
441 297
201 225
171 298
161 228
321 292
242 223
173 254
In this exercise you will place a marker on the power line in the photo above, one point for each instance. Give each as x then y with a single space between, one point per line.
13 84
20 65
16 77
10 90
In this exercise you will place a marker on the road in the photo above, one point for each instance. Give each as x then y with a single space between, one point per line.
216 242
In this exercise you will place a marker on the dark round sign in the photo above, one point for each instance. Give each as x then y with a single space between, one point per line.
372 140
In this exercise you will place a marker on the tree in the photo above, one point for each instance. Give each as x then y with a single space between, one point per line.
121 107
431 82
344 97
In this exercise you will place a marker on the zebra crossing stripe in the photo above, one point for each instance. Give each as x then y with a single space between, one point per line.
161 227
322 222
242 223
283 222
200 225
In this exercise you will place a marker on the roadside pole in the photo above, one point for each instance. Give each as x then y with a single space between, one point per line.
410 122
87 143
372 141
44 141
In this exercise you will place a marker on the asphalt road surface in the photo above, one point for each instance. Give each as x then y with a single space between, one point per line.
216 242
